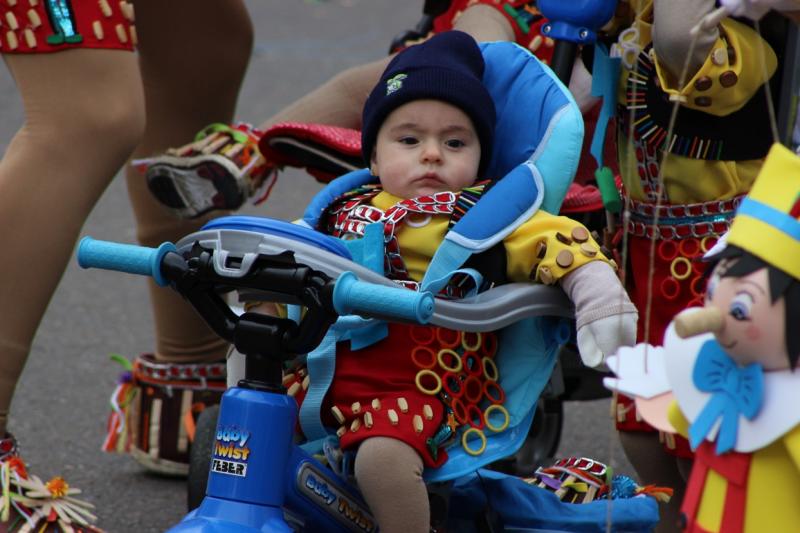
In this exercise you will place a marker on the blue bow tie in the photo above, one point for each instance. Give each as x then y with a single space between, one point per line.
734 390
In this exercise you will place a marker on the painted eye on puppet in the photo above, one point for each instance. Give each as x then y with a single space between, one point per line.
741 305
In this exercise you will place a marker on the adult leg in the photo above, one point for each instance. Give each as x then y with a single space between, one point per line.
193 57
340 100
655 466
83 112
180 178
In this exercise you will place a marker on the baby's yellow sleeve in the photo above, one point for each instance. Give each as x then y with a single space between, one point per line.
547 247
736 67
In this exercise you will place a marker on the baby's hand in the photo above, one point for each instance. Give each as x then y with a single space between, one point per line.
604 336
755 9
605 316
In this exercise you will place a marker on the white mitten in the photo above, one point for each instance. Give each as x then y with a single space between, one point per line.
604 336
755 9
605 316
640 371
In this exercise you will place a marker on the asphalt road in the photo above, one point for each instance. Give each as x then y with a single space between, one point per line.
59 411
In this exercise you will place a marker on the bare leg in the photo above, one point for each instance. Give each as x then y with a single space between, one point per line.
389 474
194 54
83 112
655 466
339 102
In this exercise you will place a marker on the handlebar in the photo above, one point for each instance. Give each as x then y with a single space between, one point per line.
349 295
129 258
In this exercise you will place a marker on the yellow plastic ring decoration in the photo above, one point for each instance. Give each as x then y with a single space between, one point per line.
480 435
474 347
457 358
489 364
503 411
704 243
674 271
425 372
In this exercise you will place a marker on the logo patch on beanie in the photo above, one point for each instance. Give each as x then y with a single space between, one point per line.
395 83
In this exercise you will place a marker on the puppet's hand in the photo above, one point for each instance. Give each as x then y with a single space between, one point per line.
604 336
639 370
755 9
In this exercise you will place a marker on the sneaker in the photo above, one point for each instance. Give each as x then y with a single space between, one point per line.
219 170
155 407
29 504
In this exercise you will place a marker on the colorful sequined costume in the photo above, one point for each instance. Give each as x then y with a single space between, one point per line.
711 165
525 19
31 26
380 390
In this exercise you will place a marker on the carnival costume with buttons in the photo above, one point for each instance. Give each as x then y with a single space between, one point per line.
741 420
710 165
525 19
54 25
376 379
420 384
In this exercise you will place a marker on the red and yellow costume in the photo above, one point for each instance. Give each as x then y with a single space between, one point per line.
525 19
371 382
30 26
710 166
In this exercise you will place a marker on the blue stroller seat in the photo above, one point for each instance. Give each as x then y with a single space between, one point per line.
539 133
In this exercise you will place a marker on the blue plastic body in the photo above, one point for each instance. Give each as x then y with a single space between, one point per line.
576 21
259 477
281 228
130 258
218 515
244 457
351 296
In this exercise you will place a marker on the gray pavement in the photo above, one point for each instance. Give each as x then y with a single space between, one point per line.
59 411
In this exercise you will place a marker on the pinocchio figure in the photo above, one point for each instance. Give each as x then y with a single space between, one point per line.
732 368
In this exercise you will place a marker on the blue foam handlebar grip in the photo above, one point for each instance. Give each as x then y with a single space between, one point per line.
351 296
130 258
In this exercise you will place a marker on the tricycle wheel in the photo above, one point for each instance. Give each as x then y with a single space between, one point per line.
200 456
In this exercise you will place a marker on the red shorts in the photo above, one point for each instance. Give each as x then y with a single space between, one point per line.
395 387
525 19
677 283
30 27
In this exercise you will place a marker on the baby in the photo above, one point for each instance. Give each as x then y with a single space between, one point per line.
428 129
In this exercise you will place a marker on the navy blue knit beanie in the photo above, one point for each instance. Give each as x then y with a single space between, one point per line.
448 67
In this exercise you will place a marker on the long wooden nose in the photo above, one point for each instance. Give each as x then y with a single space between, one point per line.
696 321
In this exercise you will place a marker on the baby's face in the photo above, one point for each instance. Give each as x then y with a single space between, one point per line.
424 147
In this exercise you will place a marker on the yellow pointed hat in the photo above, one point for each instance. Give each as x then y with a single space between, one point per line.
767 223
